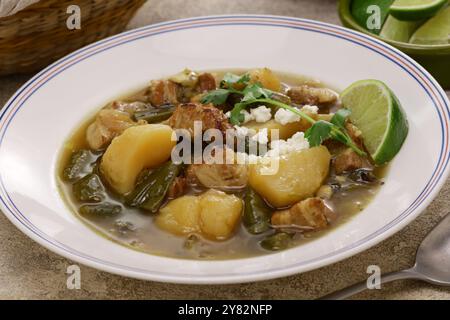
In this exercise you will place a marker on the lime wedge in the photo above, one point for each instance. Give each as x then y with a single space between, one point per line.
435 31
362 11
397 30
416 9
376 111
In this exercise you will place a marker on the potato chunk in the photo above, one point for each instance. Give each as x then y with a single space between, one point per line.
213 214
299 176
139 147
180 216
266 78
219 214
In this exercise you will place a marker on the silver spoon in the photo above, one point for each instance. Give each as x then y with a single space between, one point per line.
432 263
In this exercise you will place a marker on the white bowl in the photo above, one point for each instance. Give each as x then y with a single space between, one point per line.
40 116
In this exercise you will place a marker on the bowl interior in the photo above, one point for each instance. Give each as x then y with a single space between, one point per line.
38 119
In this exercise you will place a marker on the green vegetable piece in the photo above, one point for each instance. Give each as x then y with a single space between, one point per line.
257 214
77 163
151 191
187 78
100 210
277 241
155 115
89 189
277 96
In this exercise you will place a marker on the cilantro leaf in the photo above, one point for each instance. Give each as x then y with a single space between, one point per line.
339 118
255 91
236 117
319 132
216 97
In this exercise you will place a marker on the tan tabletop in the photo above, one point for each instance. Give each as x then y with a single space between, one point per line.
27 270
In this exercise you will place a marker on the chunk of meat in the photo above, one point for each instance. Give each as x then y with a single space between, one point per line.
206 82
186 114
354 133
163 92
218 176
108 124
305 94
348 160
177 188
311 214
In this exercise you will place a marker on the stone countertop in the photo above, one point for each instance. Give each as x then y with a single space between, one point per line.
28 271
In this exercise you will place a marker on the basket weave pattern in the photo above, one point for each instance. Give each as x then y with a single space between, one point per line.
36 36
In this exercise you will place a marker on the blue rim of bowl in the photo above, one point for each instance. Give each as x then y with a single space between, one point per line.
425 80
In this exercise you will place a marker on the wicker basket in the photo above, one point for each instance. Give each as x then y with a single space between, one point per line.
38 35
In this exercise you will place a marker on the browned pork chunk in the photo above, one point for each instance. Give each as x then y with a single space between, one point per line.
206 82
218 176
305 94
163 92
108 124
355 134
310 214
177 188
186 114
348 160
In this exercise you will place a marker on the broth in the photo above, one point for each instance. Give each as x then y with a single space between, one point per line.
136 229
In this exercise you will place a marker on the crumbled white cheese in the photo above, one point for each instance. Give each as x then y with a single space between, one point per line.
242 132
247 116
244 158
281 147
228 114
283 116
262 136
241 158
261 114
277 148
311 109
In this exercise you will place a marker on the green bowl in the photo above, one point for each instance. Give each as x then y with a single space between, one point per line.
436 59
